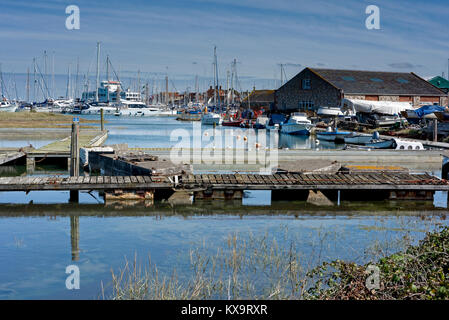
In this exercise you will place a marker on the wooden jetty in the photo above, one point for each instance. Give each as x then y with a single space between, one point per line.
231 186
10 156
61 148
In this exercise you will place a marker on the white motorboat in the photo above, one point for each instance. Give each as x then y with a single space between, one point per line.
297 124
140 109
329 112
211 119
95 108
7 106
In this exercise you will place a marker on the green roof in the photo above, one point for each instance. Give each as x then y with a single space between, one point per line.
440 82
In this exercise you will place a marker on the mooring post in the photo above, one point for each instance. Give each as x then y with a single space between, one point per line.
74 158
435 130
102 119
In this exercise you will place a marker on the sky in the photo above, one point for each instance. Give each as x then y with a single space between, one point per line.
176 37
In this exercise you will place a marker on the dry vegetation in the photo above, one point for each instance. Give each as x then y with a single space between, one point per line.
259 268
39 120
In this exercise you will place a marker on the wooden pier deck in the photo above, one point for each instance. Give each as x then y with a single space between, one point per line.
10 156
235 182
61 148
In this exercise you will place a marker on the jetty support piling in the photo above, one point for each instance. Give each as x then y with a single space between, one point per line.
30 165
227 194
74 159
102 119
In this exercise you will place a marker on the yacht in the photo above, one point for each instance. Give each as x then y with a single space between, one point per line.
297 124
7 106
95 108
140 109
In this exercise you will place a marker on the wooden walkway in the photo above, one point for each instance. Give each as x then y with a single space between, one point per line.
61 148
10 156
340 181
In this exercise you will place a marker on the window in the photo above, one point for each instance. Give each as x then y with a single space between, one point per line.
306 84
347 78
401 80
376 80
305 105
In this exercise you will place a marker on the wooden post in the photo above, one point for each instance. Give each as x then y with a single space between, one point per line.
435 130
74 158
102 119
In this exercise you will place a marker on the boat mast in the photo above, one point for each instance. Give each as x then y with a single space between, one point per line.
216 75
76 78
1 80
68 83
45 77
98 72
107 78
28 85
53 75
34 81
166 89
215 79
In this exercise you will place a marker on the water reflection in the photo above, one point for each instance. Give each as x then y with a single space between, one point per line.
75 237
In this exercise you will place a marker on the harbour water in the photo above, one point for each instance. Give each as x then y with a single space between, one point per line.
41 233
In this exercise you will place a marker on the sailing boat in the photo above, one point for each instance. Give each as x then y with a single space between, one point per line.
5 104
211 118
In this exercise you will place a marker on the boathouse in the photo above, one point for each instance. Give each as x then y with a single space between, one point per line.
313 88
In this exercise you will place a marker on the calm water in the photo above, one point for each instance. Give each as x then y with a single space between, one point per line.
165 132
41 233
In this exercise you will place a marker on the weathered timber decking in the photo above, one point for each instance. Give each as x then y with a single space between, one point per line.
61 148
340 181
10 156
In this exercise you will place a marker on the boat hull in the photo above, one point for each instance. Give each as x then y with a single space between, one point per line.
332 136
387 144
232 123
11 108
296 129
211 120
358 139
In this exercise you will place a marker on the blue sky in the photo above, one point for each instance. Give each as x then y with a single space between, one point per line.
177 37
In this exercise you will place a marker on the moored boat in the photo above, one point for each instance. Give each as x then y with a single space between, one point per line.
7 106
332 135
359 138
297 124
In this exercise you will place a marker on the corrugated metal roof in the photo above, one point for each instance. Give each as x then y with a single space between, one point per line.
378 82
